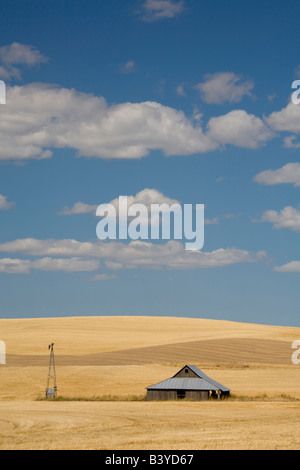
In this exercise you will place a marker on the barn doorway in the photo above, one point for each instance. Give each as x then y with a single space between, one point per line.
180 394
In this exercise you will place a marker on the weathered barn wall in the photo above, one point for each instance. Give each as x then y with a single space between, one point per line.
197 394
161 395
186 372
173 395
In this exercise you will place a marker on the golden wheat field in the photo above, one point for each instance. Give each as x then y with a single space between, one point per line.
104 364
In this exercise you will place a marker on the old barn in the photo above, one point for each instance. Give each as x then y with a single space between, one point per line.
189 382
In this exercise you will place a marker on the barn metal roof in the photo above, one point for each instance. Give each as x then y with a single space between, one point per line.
183 384
201 382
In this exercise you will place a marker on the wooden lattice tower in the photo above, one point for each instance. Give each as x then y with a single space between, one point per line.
51 392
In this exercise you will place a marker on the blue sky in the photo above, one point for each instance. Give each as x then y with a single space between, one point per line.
187 100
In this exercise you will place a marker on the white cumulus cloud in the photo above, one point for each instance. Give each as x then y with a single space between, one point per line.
240 129
40 117
287 119
78 208
153 10
5 204
18 54
220 87
21 266
291 267
146 196
289 173
287 218
134 255
128 67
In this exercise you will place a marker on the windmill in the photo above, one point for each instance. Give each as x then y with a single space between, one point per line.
51 392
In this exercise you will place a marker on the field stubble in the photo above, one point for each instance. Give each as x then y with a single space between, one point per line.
117 358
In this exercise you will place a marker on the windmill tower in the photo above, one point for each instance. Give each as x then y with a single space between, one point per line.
51 392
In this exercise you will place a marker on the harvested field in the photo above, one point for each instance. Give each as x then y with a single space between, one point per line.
154 426
113 360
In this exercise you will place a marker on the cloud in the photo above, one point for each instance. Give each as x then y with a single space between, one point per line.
240 129
180 90
78 208
41 117
104 277
287 218
18 54
231 216
213 221
66 265
288 119
128 67
153 10
20 266
14 266
146 196
8 72
271 97
4 204
216 221
289 142
297 71
289 173
134 255
224 86
292 267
